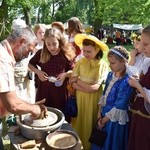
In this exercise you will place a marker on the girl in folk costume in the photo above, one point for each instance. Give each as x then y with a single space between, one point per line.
139 137
114 102
87 78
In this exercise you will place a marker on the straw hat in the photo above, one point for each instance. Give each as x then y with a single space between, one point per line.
80 37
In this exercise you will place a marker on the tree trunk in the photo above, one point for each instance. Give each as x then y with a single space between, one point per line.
98 22
3 19
27 15
97 25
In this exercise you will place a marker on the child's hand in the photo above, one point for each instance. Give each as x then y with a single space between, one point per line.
133 53
73 79
61 77
103 121
43 76
133 82
100 124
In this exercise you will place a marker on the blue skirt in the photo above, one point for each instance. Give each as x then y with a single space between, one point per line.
117 138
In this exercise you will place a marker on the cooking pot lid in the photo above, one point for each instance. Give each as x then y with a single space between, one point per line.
49 120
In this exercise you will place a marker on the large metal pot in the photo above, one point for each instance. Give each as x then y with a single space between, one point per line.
38 133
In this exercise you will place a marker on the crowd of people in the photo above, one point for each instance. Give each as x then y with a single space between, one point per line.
36 65
115 36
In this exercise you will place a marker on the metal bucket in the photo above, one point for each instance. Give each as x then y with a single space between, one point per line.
38 133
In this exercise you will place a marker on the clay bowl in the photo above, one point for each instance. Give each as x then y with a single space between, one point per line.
49 120
37 133
62 140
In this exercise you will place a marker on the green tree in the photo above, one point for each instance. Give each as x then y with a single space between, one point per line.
95 12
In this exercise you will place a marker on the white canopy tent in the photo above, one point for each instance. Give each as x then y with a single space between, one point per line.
128 26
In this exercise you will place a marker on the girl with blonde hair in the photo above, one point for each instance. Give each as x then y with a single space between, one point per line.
56 62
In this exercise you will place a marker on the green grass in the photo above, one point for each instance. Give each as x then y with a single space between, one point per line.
128 47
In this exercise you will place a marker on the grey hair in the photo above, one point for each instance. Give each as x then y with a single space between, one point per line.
26 33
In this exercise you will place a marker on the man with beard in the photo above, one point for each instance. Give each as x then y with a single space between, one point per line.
13 49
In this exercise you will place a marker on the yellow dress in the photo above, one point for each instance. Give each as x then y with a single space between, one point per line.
90 72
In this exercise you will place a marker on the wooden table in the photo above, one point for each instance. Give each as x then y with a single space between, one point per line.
16 140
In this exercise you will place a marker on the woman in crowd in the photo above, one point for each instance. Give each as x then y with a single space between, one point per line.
136 55
137 51
74 27
114 102
87 78
59 25
139 137
56 63
39 30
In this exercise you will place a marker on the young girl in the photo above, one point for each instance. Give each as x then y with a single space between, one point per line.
136 61
56 62
137 48
59 26
87 78
139 137
39 30
136 56
114 102
75 27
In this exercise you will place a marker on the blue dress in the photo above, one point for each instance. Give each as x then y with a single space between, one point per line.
115 108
